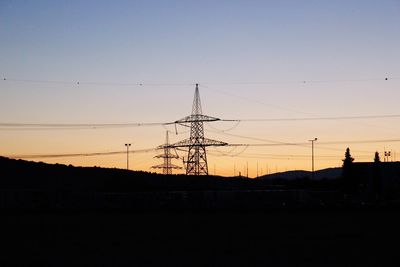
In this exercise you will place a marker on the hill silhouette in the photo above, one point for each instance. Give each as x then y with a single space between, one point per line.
38 185
28 175
329 173
59 215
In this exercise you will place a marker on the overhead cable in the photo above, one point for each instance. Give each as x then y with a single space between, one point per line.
68 155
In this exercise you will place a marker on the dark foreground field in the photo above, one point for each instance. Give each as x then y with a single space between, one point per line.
275 238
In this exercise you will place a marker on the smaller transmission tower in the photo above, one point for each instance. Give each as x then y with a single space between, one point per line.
167 167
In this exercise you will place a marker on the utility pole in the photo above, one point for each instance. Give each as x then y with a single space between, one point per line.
312 155
247 167
384 155
127 155
387 155
257 169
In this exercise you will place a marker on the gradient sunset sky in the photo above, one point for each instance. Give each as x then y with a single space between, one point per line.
251 59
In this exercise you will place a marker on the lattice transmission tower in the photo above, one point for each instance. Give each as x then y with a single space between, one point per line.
167 166
196 163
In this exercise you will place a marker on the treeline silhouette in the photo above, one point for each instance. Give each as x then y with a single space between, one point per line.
260 222
38 185
28 175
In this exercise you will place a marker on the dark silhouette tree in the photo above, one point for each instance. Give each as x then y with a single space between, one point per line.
348 179
376 177
348 159
377 159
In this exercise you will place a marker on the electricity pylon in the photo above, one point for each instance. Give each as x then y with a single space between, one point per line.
167 167
196 163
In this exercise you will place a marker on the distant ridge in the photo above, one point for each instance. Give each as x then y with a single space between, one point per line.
14 167
40 186
330 173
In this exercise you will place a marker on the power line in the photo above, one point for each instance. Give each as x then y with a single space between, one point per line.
75 126
73 155
141 84
330 143
302 81
276 142
256 101
289 157
319 147
248 83
77 82
153 149
285 155
299 157
324 118
255 138
273 105
72 125
361 142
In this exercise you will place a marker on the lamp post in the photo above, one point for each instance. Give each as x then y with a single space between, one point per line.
127 155
312 155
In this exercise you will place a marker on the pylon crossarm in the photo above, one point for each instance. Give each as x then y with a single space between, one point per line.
157 167
173 166
160 147
197 118
211 142
167 156
165 146
204 142
162 166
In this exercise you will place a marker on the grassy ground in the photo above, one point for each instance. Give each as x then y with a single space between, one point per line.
278 238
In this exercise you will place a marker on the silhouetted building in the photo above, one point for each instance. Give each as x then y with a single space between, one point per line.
377 179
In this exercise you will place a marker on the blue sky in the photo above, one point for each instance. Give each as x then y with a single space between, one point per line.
188 40
220 44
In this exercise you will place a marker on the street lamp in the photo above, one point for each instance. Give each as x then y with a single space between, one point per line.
127 155
312 155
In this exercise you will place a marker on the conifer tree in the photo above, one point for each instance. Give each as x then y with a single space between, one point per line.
348 180
348 159
377 159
